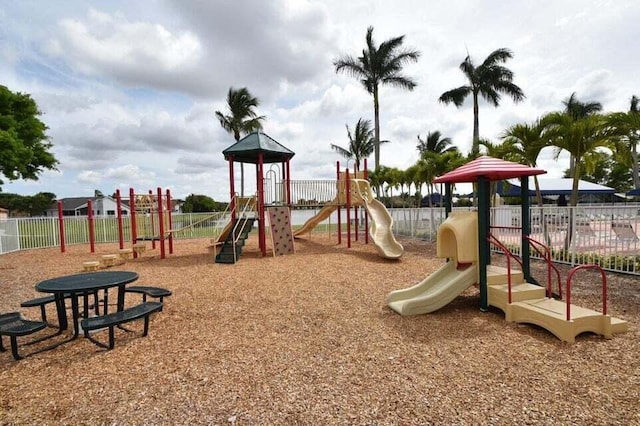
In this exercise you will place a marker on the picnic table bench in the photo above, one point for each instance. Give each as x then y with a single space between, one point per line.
143 310
14 326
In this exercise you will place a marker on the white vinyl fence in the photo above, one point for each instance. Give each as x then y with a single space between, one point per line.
606 235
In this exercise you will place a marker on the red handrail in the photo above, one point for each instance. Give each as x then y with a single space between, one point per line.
493 240
604 287
547 257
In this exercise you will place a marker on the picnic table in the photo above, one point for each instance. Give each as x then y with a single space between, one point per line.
74 286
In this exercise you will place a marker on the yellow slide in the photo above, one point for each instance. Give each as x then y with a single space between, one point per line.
381 225
435 291
322 215
457 241
380 229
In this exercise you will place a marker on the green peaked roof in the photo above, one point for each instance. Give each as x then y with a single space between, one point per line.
246 150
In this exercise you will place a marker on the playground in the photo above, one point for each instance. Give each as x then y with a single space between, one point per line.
309 339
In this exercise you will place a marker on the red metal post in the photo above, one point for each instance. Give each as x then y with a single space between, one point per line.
134 228
348 187
119 213
152 222
169 221
61 227
90 224
366 216
232 190
339 188
261 225
160 223
288 183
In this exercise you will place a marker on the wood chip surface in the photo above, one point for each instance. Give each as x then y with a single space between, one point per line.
307 339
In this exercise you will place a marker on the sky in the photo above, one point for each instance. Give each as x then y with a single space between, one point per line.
129 90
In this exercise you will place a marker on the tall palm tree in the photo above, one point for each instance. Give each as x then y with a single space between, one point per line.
379 65
527 141
580 138
489 80
361 143
434 142
577 110
627 127
241 118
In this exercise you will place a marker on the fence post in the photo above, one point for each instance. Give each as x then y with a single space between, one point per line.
90 224
119 213
61 227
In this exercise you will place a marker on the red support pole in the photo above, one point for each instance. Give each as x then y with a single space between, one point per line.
366 216
288 180
92 231
169 222
160 223
119 213
152 223
61 227
348 187
232 190
261 225
339 188
134 228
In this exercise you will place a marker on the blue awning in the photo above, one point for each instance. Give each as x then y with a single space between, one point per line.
559 186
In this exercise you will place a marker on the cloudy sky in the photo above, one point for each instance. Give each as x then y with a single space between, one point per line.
129 89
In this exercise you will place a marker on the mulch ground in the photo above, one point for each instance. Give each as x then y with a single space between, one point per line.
308 339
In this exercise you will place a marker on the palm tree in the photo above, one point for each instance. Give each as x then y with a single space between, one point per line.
242 118
488 80
580 138
435 143
379 65
361 143
526 142
627 127
577 110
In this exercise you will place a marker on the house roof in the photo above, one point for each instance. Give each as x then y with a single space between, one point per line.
247 149
554 186
490 168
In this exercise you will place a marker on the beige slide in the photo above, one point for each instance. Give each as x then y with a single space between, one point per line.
381 225
457 241
311 223
435 291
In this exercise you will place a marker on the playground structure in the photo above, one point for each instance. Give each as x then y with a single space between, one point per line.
278 190
464 239
353 191
150 220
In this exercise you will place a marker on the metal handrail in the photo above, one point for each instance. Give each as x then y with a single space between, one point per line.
493 240
248 205
547 257
604 287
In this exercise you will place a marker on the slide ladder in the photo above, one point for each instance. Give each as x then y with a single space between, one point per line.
231 248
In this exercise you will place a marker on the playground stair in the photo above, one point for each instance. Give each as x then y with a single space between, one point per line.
240 233
529 304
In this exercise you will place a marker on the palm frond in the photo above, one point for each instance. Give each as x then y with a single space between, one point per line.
455 96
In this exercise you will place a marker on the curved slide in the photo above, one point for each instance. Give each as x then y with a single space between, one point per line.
435 291
381 225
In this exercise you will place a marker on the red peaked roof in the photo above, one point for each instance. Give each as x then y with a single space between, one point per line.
489 167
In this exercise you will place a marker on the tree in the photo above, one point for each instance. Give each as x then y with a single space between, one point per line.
24 145
379 65
581 138
434 142
198 204
33 205
361 143
577 109
526 142
626 126
242 118
489 80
